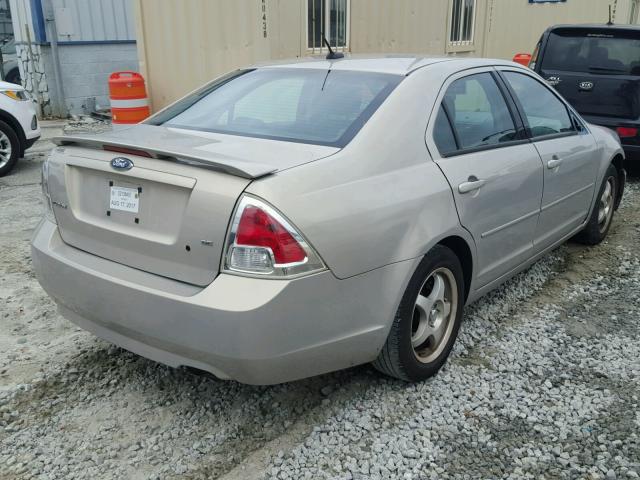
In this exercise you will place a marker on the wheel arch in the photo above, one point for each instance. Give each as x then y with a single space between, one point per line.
10 120
618 162
461 248
14 71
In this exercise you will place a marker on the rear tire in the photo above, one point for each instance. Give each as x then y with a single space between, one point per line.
428 319
601 218
9 148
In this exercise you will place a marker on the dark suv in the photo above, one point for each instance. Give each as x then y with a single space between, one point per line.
597 69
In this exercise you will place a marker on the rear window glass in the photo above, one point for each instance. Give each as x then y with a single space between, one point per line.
300 105
604 52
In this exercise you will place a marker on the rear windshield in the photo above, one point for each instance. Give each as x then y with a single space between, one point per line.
597 51
296 104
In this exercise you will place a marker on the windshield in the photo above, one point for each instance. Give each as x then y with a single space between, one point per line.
597 51
293 104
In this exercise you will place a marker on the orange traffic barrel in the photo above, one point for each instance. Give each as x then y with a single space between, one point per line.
128 97
522 58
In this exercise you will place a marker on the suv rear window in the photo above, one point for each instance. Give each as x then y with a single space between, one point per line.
602 51
292 104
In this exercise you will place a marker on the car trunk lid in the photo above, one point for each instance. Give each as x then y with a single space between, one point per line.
168 214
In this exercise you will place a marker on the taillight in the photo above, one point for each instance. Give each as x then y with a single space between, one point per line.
259 229
262 242
626 132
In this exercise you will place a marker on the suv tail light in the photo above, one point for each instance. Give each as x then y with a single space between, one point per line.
626 132
262 242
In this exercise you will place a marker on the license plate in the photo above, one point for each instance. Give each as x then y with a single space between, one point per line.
126 199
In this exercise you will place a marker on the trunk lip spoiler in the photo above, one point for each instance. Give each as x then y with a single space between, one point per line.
238 168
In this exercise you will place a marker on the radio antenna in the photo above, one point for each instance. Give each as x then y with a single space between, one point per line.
331 55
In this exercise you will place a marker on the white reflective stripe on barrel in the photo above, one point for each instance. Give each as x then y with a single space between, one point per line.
134 103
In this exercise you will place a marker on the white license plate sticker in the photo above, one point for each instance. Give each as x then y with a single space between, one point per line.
126 199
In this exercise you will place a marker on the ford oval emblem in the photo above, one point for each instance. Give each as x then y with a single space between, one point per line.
586 85
121 163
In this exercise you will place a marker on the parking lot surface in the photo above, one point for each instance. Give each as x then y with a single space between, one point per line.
544 382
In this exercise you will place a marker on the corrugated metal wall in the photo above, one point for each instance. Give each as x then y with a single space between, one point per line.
21 16
386 26
409 26
184 43
94 20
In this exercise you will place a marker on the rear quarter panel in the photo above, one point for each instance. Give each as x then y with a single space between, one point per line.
378 201
608 148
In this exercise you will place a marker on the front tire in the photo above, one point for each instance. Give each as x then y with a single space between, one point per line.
9 148
428 319
599 223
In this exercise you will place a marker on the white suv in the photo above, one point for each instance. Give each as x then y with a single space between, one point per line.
19 128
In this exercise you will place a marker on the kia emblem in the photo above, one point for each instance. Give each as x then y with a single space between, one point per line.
586 85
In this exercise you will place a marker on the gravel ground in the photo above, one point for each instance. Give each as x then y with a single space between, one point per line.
543 383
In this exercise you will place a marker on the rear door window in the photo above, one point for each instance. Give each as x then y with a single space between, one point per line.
479 112
545 113
443 134
593 51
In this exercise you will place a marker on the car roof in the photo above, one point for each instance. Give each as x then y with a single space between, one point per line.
598 26
391 64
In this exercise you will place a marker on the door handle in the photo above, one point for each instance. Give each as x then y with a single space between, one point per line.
554 162
471 185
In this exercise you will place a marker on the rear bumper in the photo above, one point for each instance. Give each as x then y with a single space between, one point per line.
251 330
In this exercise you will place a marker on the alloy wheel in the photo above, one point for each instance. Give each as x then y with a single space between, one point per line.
605 208
5 149
434 315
